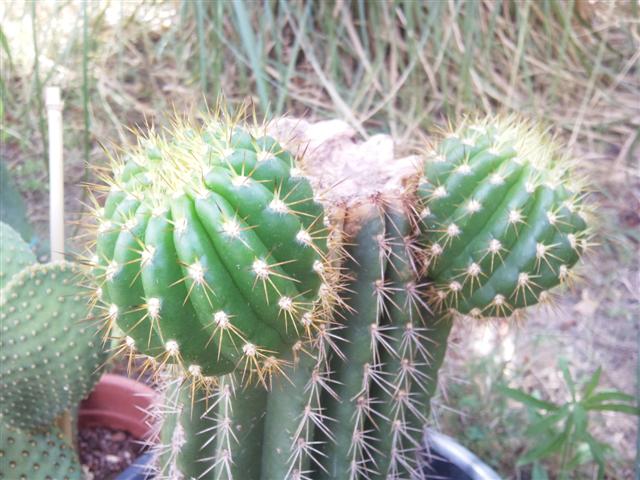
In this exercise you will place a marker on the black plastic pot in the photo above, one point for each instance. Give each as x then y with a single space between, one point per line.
138 470
448 460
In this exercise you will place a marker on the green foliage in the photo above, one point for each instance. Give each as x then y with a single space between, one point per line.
12 209
562 430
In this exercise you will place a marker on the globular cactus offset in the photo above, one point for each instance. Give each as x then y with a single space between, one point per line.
50 359
211 250
503 219
343 392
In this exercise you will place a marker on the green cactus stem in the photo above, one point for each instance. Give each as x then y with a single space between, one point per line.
49 347
186 451
435 334
349 451
292 416
211 250
410 353
503 218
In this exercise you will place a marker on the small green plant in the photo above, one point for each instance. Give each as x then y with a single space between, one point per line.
562 430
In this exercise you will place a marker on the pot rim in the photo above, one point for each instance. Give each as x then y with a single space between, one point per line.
118 402
440 446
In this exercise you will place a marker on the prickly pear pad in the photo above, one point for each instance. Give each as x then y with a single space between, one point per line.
211 250
49 350
46 455
502 218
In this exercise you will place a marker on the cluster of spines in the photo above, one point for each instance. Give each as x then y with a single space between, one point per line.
503 219
217 160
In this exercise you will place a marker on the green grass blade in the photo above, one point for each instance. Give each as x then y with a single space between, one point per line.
202 48
252 48
526 399
39 86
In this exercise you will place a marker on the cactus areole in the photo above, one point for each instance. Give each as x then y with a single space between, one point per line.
211 250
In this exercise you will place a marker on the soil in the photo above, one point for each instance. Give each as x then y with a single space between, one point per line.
105 452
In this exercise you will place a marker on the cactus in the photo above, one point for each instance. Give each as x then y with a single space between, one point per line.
211 251
50 359
49 348
488 228
502 219
39 455
378 386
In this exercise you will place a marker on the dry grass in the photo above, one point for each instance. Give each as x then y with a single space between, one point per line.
400 67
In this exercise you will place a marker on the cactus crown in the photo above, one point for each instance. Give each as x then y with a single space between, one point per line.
212 250
503 218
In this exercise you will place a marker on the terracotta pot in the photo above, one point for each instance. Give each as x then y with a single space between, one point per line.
120 403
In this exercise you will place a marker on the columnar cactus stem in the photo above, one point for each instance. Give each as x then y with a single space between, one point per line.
405 360
435 334
292 413
211 433
350 452
240 417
